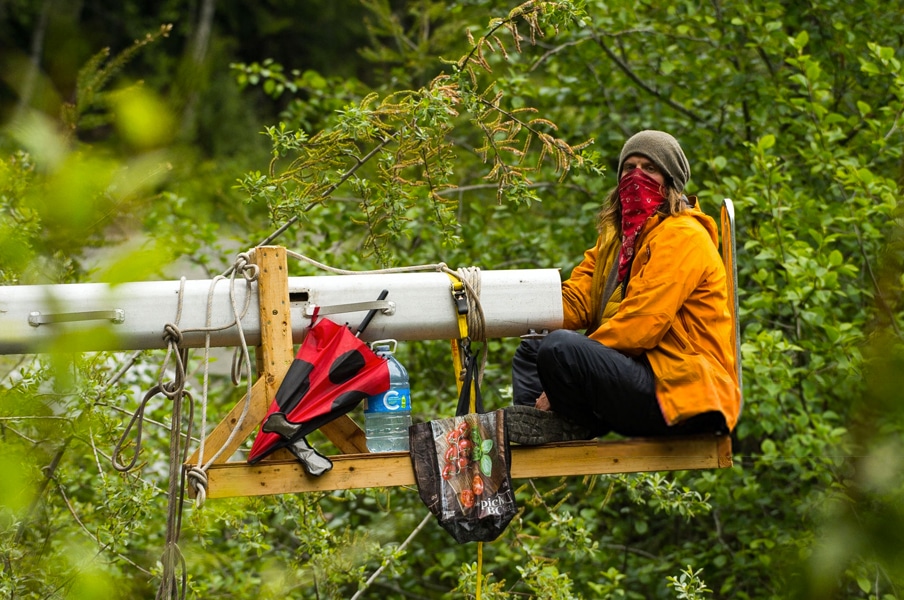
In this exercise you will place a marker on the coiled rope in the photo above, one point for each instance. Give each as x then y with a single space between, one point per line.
241 362
174 578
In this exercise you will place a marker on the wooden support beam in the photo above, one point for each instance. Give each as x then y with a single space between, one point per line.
274 356
276 350
390 469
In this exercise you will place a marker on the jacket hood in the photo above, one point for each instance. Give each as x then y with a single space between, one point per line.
694 212
708 223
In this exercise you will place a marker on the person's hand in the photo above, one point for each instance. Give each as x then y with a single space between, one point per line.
543 402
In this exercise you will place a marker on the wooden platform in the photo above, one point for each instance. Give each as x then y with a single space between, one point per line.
354 468
392 469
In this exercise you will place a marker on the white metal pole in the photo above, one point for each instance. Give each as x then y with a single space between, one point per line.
422 308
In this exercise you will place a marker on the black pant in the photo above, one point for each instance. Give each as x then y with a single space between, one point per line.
597 387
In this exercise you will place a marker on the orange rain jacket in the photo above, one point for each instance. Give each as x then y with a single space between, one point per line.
675 310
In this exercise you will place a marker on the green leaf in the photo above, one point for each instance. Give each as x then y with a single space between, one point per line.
801 40
486 465
869 68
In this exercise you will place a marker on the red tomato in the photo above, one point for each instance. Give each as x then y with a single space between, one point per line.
452 453
467 498
463 462
477 484
448 471
464 446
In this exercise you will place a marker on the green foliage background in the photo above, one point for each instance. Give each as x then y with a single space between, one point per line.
168 155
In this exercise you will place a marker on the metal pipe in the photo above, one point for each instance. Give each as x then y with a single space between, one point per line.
132 316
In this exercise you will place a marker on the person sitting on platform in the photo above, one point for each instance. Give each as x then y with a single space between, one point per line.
652 295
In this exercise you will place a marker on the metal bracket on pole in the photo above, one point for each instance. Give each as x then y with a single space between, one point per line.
532 334
387 307
116 315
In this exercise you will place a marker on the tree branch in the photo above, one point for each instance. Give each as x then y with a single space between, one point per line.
49 472
345 176
642 84
101 547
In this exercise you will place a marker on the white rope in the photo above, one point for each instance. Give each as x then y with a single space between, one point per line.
197 475
205 380
408 269
469 277
250 272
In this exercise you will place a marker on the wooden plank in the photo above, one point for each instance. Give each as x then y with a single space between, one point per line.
354 471
730 261
350 471
276 350
621 456
346 435
216 439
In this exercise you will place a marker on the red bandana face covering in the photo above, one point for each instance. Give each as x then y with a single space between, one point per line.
640 196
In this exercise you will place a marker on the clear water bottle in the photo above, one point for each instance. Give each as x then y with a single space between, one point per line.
387 416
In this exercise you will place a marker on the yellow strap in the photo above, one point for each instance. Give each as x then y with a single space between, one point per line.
456 364
459 295
479 567
460 298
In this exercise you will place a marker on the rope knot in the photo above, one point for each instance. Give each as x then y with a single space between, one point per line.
197 478
171 389
470 278
172 334
248 269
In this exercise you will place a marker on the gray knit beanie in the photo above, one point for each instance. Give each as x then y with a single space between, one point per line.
663 150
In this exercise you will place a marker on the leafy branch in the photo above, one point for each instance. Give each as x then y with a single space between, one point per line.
95 75
406 139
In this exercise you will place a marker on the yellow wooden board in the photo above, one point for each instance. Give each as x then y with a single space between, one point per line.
352 471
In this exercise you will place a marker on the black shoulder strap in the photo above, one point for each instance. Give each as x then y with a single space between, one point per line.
464 398
611 283
608 289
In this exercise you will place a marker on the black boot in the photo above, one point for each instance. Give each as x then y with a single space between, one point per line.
531 426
